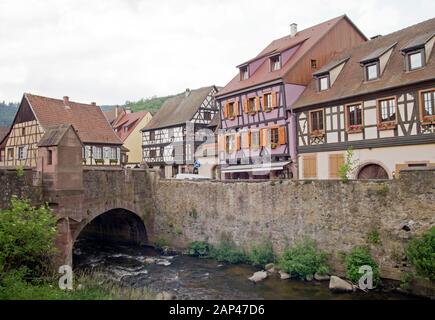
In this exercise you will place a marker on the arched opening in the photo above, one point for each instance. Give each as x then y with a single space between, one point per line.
372 171
116 226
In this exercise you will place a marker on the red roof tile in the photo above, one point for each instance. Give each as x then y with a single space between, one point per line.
89 121
128 120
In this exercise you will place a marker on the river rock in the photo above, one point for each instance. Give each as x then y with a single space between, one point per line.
321 277
258 276
164 263
309 277
337 284
284 275
150 260
269 266
165 296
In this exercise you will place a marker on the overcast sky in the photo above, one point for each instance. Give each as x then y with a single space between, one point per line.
110 51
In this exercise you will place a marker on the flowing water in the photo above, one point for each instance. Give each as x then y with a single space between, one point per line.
194 278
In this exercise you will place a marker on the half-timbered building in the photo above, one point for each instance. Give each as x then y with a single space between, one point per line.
257 138
169 138
36 114
379 99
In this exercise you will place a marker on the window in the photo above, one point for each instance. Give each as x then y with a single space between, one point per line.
50 157
98 153
251 105
23 131
231 110
313 64
21 153
316 122
267 101
153 153
162 151
275 63
415 60
244 73
113 153
323 83
255 139
274 136
427 102
387 110
10 153
207 115
372 71
230 143
354 117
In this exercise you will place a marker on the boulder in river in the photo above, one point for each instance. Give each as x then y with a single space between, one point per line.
309 277
321 277
337 284
258 276
284 275
269 266
165 263
150 260
165 296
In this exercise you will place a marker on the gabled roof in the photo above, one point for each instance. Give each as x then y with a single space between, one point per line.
419 41
88 119
3 133
302 42
113 113
53 135
350 81
377 53
328 67
179 109
129 120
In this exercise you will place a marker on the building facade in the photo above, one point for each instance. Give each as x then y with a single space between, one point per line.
169 138
257 138
36 114
128 127
378 99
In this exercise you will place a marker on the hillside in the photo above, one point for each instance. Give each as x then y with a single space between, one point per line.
7 113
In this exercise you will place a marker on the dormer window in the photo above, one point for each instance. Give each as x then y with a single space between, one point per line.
275 63
372 71
324 83
415 60
244 73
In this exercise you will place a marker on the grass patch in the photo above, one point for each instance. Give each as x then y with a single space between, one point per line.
226 251
199 249
358 257
262 254
373 237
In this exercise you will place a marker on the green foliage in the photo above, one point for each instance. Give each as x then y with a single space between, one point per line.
199 249
20 171
194 213
358 257
151 104
304 259
373 237
405 280
178 231
26 238
226 251
421 253
161 242
262 254
348 167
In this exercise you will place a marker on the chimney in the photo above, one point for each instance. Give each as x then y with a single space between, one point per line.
187 93
293 29
65 100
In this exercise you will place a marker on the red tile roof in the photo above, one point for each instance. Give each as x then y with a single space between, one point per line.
350 82
128 120
306 39
88 119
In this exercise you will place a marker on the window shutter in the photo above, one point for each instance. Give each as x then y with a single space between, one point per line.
246 143
281 135
263 98
245 105
236 107
264 137
25 152
237 136
221 143
226 110
335 162
310 166
274 99
257 104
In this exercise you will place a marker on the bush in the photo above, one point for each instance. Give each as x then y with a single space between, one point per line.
26 238
199 249
262 254
304 259
421 254
358 257
228 252
161 243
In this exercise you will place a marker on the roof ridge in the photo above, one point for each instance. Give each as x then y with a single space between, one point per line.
56 99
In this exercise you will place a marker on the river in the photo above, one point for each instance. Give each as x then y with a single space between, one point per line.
195 278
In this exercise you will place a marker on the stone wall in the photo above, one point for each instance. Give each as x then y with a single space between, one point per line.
337 215
25 186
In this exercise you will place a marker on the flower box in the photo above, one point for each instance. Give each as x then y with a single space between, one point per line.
317 133
428 119
99 161
274 145
355 129
387 125
113 161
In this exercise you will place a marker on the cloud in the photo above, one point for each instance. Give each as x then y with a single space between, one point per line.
111 51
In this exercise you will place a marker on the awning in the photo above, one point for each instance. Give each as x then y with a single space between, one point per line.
262 167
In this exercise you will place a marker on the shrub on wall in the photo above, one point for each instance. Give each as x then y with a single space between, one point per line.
262 254
199 249
226 251
358 257
304 259
421 253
